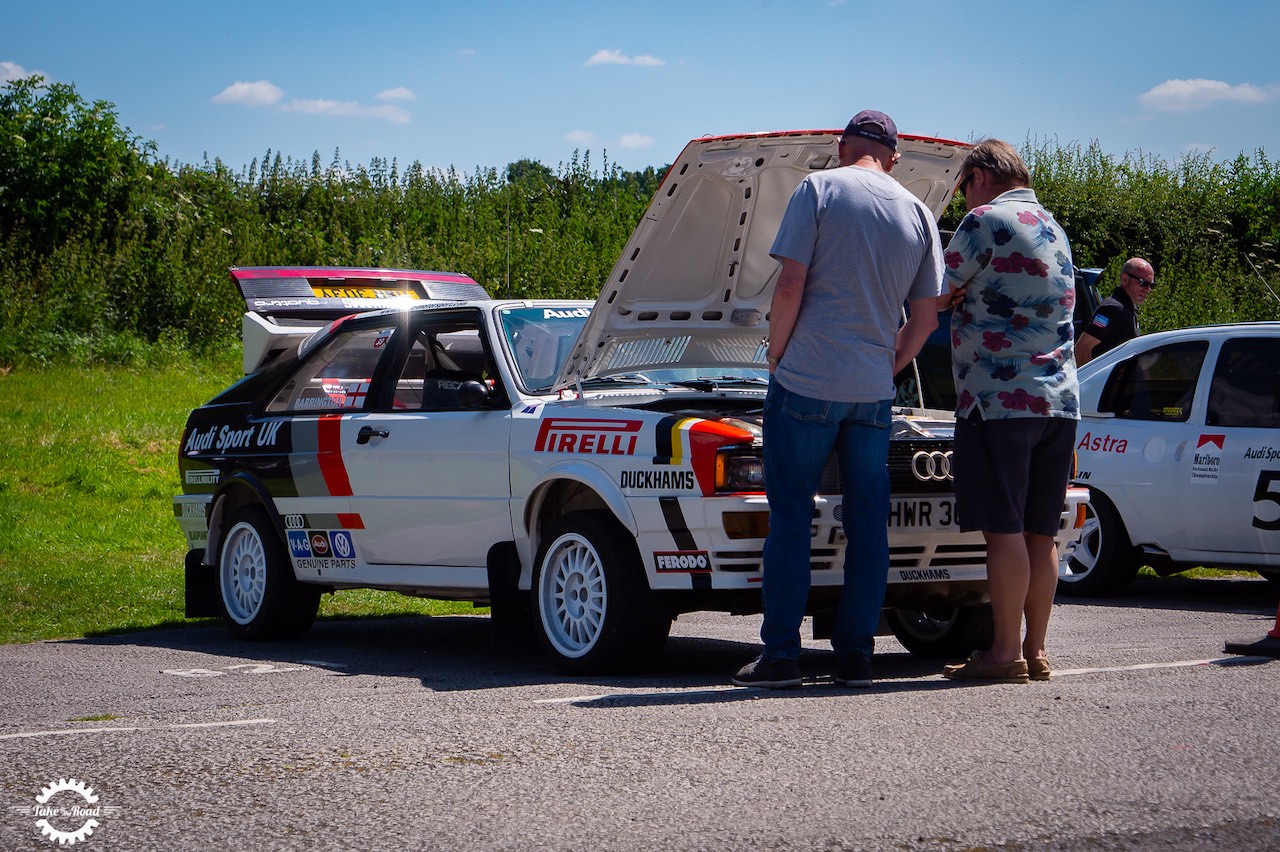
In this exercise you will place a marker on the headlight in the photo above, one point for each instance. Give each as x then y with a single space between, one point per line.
739 470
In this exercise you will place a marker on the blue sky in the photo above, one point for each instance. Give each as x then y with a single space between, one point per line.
481 83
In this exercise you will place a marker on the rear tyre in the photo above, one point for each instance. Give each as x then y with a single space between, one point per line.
943 633
1103 562
258 593
593 610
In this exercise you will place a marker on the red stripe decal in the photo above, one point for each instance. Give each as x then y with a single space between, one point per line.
329 440
351 522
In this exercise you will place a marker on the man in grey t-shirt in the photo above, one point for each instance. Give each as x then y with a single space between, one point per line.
854 246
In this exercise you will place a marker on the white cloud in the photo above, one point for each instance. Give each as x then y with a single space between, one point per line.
580 137
1191 95
346 109
261 93
465 51
399 93
617 57
14 71
635 140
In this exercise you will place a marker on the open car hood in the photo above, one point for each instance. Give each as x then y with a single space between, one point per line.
693 285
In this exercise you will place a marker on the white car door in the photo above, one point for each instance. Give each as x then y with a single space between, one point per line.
1139 452
1237 458
430 478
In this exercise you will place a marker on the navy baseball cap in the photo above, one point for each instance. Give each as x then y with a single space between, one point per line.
874 125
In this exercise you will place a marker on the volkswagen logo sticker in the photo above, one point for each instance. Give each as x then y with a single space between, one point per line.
931 466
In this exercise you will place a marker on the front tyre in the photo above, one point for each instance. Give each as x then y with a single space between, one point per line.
943 633
594 611
1104 561
258 593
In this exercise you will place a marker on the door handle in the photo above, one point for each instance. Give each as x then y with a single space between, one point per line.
367 433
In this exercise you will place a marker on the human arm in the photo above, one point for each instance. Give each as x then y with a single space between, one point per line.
1085 344
785 308
921 321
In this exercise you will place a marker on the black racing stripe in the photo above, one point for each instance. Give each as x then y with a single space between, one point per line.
701 581
676 523
662 446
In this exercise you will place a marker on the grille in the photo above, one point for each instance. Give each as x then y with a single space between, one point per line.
901 479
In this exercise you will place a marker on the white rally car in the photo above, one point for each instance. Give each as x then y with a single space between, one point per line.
594 469
1179 445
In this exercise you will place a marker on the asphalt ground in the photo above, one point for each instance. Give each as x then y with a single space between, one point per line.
417 733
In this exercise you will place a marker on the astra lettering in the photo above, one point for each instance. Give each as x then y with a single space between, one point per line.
657 480
596 436
1102 444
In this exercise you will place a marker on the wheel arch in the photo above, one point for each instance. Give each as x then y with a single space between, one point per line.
240 489
568 488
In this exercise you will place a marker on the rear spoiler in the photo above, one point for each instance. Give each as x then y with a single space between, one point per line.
284 305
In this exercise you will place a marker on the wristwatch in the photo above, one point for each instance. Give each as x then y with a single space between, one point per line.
772 360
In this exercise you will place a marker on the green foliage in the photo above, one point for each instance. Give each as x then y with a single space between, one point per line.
106 252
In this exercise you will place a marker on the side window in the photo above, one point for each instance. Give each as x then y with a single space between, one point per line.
442 356
337 376
1246 384
1159 384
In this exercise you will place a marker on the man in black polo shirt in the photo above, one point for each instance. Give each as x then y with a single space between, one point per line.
1116 319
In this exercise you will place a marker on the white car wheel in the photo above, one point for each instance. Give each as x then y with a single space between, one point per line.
243 573
260 596
595 612
573 595
1103 561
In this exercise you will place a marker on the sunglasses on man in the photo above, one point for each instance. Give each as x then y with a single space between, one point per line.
1144 283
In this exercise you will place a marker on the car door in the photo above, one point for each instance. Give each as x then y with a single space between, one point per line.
1239 452
1140 451
430 477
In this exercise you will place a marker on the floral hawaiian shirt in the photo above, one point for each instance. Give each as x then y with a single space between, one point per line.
1011 338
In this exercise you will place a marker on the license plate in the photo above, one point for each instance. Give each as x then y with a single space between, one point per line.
361 293
922 513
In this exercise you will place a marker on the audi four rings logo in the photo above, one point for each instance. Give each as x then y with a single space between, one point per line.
935 465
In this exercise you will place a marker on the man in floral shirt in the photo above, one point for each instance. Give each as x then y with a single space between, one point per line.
1011 281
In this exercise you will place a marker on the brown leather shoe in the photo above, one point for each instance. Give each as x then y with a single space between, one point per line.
1038 668
976 668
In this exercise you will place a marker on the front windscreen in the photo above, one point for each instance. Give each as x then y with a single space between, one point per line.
540 339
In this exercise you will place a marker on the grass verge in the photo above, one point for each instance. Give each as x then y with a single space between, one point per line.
88 542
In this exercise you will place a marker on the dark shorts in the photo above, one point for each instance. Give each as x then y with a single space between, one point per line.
1011 475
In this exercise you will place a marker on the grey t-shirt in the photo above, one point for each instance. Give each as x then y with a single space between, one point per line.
869 245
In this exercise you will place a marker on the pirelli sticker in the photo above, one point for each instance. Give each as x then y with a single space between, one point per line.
682 562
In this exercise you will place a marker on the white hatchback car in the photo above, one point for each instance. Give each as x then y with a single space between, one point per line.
1179 445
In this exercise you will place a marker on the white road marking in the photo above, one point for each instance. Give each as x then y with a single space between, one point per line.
62 733
572 700
1057 673
1179 664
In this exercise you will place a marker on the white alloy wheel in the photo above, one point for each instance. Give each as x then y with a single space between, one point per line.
243 573
1081 556
573 595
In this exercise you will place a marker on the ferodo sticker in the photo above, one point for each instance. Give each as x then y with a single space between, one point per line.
682 562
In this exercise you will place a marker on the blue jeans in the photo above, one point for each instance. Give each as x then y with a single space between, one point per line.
800 434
